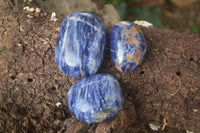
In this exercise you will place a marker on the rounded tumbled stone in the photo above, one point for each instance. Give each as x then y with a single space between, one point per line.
127 46
80 44
95 98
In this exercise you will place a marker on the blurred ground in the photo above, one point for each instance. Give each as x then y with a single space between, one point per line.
181 15
185 18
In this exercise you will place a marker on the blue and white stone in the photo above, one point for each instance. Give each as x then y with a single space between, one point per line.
80 45
95 98
127 46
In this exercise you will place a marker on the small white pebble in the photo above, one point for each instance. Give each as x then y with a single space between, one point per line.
30 0
25 42
195 110
32 9
53 17
37 9
24 0
21 28
26 8
29 16
187 131
29 9
45 14
58 29
19 44
154 127
143 23
58 104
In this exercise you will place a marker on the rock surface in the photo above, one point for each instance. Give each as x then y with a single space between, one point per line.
80 45
95 98
127 46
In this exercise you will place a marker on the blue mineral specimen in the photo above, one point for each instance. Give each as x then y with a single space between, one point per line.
80 44
95 98
127 46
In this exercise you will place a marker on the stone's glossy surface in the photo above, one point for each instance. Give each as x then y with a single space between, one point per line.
95 98
127 45
80 45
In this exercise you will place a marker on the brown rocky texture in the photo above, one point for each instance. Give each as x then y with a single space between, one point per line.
66 7
164 90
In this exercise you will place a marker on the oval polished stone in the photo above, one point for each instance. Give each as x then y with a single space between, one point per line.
95 98
80 45
127 46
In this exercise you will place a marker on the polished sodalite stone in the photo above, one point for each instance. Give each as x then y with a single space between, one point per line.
95 98
80 44
127 46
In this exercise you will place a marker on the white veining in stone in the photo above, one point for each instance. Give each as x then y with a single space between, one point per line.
126 23
71 54
86 14
120 51
77 19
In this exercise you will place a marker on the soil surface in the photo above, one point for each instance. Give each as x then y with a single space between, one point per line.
164 90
